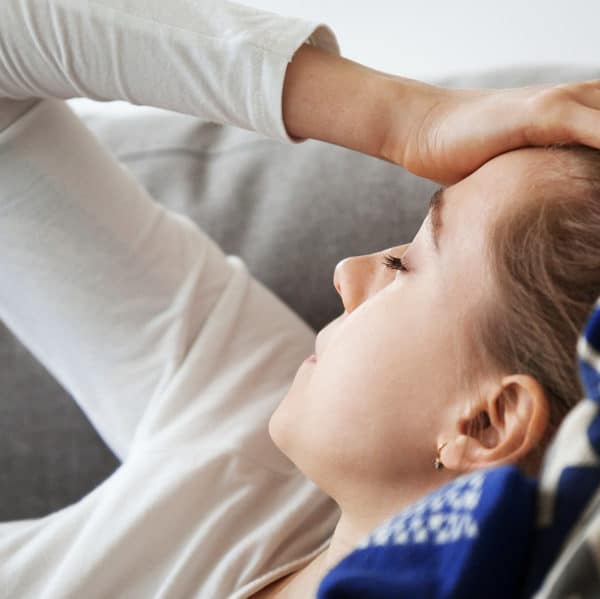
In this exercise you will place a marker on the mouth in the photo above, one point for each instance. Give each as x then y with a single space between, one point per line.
311 358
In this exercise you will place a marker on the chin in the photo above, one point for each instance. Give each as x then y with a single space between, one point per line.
281 431
275 431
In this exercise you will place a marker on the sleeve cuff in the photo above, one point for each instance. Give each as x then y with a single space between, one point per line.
274 65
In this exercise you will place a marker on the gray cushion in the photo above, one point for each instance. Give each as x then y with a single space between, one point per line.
290 211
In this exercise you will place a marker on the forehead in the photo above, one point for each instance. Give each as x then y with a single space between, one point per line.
470 209
499 184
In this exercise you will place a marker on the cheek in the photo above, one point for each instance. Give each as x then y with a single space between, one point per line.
357 381
337 401
377 366
384 367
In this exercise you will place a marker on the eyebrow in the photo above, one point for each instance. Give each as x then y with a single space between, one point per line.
436 205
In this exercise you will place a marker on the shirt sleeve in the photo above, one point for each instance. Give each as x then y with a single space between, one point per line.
215 59
107 288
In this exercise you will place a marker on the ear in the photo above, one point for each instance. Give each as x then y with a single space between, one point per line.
502 428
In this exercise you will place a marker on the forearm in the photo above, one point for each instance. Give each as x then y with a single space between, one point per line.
218 60
336 100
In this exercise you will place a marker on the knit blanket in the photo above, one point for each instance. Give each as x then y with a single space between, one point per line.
496 533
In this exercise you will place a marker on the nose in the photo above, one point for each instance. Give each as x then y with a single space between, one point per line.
357 278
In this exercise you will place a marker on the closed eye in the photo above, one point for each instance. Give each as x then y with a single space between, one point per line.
394 262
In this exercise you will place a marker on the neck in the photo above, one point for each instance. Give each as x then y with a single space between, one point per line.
353 527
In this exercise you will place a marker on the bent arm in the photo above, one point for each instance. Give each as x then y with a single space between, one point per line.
99 280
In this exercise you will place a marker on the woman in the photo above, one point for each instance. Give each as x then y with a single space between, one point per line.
181 359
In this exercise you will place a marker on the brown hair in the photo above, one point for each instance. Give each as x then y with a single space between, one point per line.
544 259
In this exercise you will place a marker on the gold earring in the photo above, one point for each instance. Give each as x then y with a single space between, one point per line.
438 465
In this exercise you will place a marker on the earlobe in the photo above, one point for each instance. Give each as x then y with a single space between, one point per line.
501 428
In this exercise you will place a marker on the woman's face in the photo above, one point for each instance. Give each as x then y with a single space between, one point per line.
385 389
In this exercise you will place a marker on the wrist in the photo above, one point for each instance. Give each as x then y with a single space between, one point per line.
414 106
336 100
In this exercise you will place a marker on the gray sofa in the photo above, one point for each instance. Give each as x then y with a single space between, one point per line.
290 211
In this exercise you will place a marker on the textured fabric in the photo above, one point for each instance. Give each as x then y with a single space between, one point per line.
176 354
215 59
496 533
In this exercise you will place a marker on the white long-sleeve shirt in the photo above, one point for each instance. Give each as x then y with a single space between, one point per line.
176 354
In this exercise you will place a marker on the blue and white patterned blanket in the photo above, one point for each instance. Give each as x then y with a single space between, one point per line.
496 533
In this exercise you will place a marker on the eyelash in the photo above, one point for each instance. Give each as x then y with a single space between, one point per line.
394 262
